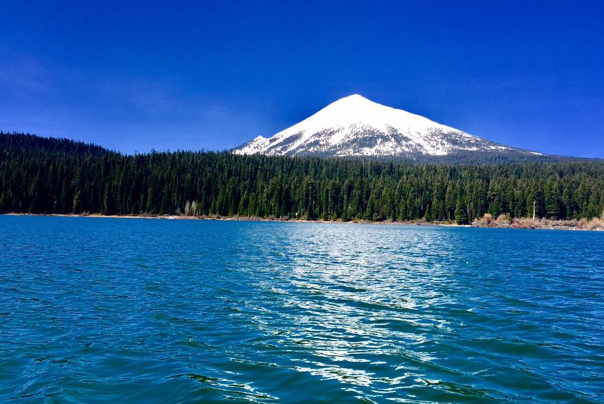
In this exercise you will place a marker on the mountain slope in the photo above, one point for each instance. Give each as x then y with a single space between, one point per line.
357 127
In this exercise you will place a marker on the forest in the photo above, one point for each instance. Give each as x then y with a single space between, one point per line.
60 176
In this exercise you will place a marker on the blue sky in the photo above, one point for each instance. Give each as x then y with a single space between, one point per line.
133 76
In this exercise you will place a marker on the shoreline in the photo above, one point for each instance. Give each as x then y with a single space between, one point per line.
522 223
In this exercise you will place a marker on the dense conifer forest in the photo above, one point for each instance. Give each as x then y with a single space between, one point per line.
40 175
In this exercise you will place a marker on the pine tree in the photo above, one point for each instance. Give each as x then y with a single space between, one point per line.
461 216
59 176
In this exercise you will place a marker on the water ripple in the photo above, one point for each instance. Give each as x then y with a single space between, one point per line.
107 310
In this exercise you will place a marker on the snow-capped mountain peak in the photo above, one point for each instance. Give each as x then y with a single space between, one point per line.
354 126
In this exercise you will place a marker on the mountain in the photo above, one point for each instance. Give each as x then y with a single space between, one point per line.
356 127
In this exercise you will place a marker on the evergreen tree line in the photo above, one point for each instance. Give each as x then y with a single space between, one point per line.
39 175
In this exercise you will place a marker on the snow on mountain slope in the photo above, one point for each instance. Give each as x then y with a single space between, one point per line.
357 127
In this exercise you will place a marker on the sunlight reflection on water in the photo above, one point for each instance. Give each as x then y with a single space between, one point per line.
155 311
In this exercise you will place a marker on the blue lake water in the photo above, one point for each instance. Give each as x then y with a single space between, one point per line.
164 311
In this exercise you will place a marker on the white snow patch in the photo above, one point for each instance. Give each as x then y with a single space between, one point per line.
375 129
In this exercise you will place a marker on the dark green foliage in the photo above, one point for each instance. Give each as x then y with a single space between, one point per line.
39 175
461 216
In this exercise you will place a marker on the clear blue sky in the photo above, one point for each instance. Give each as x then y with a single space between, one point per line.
133 75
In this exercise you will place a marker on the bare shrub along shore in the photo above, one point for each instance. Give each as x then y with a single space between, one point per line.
504 221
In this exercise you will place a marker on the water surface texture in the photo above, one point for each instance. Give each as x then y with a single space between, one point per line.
165 311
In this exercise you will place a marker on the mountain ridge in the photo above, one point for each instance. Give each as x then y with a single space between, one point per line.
355 127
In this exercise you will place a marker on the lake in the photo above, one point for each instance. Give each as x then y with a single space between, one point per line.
96 310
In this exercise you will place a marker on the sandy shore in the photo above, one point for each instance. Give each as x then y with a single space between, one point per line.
522 223
232 219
